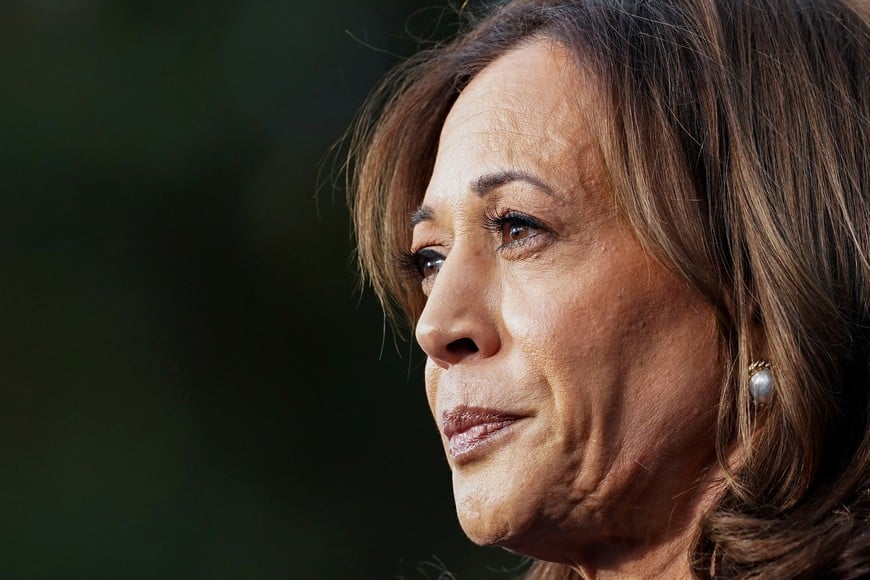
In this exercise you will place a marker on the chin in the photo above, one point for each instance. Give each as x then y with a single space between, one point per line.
493 527
495 509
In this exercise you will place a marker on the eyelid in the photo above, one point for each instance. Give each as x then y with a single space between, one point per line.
496 220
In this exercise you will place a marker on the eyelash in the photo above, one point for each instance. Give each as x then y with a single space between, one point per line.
410 263
495 221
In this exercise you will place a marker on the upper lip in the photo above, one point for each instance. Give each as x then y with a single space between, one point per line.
463 418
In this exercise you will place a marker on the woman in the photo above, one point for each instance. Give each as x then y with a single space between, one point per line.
633 240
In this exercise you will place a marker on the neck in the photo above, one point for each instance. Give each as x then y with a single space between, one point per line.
665 555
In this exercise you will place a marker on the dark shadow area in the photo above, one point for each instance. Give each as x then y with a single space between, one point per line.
194 386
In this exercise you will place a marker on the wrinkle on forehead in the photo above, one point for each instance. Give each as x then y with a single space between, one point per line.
514 86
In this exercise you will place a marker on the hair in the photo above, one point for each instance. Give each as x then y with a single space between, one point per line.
736 139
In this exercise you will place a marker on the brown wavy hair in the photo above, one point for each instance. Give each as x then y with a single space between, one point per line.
735 135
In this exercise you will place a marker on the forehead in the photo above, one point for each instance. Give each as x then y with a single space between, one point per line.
525 81
528 111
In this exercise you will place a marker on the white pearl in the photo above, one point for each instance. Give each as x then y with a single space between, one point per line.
761 385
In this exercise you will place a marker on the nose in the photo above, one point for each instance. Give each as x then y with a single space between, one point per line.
458 323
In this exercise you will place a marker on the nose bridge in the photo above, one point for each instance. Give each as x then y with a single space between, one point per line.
458 321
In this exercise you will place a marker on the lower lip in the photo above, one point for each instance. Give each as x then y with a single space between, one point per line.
462 444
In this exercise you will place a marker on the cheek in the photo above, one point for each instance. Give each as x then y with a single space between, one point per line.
625 351
541 315
432 373
669 380
573 335
565 340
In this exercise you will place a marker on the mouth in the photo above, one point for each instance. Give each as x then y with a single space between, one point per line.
467 428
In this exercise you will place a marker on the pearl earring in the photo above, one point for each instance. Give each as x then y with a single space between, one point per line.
761 382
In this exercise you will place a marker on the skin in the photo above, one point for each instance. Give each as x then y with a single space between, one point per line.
565 320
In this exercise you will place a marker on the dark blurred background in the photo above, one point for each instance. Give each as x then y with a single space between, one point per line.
193 385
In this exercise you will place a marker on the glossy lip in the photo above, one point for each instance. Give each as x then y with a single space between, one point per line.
467 428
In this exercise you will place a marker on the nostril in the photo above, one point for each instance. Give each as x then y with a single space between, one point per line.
462 346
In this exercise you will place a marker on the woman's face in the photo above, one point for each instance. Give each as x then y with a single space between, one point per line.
572 377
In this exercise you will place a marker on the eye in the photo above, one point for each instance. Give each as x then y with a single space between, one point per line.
427 262
514 228
421 265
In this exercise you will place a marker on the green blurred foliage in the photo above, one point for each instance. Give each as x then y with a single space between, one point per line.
194 386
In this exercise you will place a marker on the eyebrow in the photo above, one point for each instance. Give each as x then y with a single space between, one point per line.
488 182
484 185
422 214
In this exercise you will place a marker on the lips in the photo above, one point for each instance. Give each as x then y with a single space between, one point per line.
467 428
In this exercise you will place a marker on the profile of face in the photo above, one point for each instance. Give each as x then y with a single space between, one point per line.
573 377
